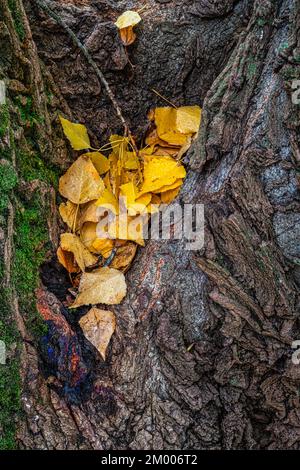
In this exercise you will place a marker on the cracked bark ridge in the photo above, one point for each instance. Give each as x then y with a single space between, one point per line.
201 357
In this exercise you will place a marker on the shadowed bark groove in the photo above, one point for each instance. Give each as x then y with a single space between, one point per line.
235 301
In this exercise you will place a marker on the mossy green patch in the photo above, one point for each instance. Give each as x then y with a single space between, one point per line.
31 244
4 119
10 407
27 113
8 177
17 17
31 166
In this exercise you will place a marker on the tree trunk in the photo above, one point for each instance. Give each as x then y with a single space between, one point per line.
202 354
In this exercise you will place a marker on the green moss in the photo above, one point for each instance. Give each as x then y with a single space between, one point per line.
17 17
10 407
4 119
27 113
8 177
31 244
31 166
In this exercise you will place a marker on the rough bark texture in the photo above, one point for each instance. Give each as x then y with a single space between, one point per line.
236 300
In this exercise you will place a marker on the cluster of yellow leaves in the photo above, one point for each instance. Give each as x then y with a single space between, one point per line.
125 24
96 185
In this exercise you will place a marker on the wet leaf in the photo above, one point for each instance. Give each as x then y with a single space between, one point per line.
98 326
81 183
70 242
103 285
76 134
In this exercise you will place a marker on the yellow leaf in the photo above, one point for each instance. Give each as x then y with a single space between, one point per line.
140 204
144 199
66 258
169 196
81 183
98 326
70 242
159 172
131 229
129 191
99 161
175 125
69 212
108 201
124 256
175 185
89 213
88 234
188 119
102 286
76 134
100 246
130 161
103 246
128 18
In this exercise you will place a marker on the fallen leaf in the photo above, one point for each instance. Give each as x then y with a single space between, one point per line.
103 246
168 187
175 125
168 196
127 35
160 172
90 213
108 201
124 257
125 24
99 161
76 134
69 212
67 259
70 242
103 285
98 326
128 18
81 183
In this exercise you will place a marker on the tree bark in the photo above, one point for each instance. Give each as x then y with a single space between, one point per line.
202 354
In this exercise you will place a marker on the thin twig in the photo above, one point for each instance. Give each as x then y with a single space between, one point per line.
89 59
163 98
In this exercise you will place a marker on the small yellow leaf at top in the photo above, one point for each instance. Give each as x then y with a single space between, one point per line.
128 18
70 242
81 183
99 161
76 134
98 326
102 286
